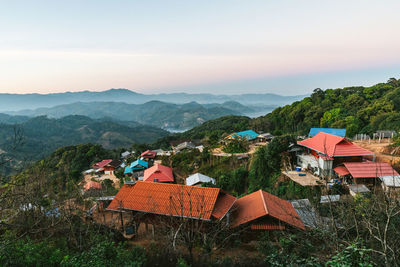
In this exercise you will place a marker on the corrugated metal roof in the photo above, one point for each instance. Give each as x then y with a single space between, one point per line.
334 131
199 178
391 181
158 173
334 146
171 199
139 164
101 164
341 170
261 203
148 154
127 170
249 134
370 169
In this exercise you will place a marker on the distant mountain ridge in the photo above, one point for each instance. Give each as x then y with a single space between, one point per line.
154 113
15 102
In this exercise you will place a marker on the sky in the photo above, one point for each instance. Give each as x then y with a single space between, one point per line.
226 47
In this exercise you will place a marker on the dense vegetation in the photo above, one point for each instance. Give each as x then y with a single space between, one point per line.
358 109
40 136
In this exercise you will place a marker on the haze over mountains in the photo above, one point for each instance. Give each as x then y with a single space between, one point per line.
154 113
15 102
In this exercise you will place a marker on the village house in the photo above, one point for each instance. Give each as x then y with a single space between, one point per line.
250 135
367 172
391 184
156 202
265 137
148 155
159 173
108 166
127 154
162 153
323 152
184 146
136 168
199 179
334 131
264 211
358 189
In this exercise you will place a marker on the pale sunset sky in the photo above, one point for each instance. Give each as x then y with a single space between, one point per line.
227 47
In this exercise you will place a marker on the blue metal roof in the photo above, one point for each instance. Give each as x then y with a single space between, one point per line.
249 134
338 132
128 170
139 165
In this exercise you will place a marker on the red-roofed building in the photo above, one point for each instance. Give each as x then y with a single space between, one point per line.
148 155
158 173
366 172
107 165
263 211
329 151
194 202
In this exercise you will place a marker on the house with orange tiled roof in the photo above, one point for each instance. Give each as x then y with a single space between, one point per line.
263 211
172 204
323 152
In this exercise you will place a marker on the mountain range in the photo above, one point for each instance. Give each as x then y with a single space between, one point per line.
15 102
154 113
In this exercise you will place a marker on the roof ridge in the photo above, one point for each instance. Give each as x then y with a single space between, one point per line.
263 200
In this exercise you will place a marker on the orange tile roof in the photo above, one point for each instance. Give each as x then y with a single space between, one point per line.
160 172
261 203
117 203
334 146
223 205
171 199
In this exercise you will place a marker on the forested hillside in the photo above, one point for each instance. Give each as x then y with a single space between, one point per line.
40 136
358 109
155 113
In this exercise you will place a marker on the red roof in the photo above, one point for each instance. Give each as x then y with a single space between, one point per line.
334 146
92 185
370 169
149 154
101 164
172 199
160 172
260 204
341 170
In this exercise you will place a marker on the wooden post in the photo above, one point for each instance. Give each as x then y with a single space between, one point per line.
122 220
